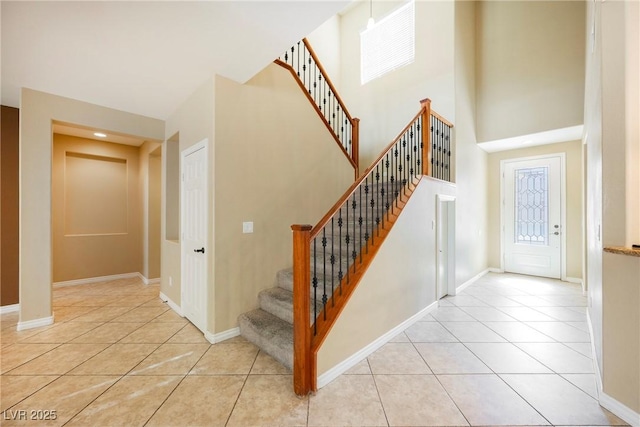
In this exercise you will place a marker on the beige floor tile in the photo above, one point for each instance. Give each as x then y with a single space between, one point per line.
349 400
16 388
498 301
60 360
62 333
66 396
18 354
268 400
171 359
487 400
152 333
102 314
130 301
189 334
417 400
451 358
585 382
397 358
465 301
10 336
361 368
64 314
472 332
526 314
200 401
154 302
583 348
401 337
560 331
226 359
532 301
108 333
558 357
235 340
429 332
488 314
559 401
517 332
267 365
130 402
171 316
451 314
115 360
94 300
563 314
140 314
506 358
9 320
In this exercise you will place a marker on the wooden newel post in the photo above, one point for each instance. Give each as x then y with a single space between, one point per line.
355 145
426 136
301 315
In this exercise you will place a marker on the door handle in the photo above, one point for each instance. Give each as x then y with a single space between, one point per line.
556 233
199 250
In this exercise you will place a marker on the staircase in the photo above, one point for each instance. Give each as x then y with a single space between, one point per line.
270 327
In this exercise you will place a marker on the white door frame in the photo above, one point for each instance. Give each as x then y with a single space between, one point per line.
451 243
563 208
202 145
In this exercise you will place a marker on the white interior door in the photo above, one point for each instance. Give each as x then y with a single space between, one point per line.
445 246
532 216
194 196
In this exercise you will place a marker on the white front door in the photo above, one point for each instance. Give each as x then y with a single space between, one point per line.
194 197
532 216
445 245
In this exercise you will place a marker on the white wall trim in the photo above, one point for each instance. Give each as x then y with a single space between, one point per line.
175 307
35 323
573 280
90 280
354 359
617 408
9 308
469 282
221 336
148 281
495 270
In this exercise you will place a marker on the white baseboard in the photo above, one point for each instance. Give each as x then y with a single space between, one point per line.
90 280
354 359
619 409
9 308
175 307
469 282
35 323
495 270
148 281
221 336
573 280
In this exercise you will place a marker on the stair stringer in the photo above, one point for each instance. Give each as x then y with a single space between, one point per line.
398 283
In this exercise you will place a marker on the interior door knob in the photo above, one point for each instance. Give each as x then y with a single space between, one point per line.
201 250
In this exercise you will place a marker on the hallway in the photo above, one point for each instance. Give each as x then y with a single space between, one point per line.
509 350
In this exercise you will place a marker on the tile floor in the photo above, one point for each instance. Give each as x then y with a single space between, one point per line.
509 350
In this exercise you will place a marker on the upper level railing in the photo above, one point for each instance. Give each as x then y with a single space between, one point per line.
303 63
330 258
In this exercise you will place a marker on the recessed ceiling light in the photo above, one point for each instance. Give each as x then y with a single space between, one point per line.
100 134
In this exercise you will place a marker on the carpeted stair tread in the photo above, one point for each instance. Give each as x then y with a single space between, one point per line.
279 302
271 334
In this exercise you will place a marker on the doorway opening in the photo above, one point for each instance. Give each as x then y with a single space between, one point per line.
445 245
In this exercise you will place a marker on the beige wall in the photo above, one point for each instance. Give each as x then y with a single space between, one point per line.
9 240
38 110
276 165
397 285
325 41
621 329
386 105
470 161
155 210
530 67
611 134
192 122
573 192
97 220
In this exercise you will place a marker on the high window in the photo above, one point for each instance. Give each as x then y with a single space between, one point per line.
389 44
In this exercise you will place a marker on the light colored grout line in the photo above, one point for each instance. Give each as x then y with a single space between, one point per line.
244 383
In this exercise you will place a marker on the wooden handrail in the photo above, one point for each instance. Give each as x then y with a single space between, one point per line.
324 120
327 79
325 219
442 119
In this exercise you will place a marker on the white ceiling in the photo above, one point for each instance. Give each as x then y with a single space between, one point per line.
88 133
572 133
145 57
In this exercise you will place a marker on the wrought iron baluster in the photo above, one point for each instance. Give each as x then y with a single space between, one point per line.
315 287
333 262
360 219
354 254
340 273
324 272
